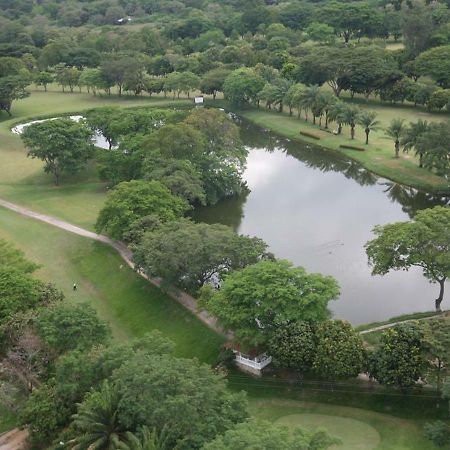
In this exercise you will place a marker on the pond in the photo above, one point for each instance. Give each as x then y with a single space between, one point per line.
317 209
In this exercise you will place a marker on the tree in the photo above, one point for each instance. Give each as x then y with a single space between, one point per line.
423 242
43 79
68 327
213 81
179 82
411 137
182 395
40 415
436 346
19 292
321 32
367 119
96 424
255 301
12 88
68 76
132 200
434 146
14 258
191 254
395 131
436 64
438 433
264 435
336 114
63 144
241 87
146 440
339 350
293 346
309 99
397 361
350 116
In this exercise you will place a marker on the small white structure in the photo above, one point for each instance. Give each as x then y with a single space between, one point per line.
252 364
198 101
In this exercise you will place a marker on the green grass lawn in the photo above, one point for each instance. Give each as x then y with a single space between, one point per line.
130 304
8 419
23 181
378 156
358 429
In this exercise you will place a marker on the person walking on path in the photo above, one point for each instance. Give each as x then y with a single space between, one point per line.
74 286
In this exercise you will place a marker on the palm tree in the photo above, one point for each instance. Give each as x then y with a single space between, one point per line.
412 135
329 100
395 131
367 119
147 440
308 99
350 115
96 422
336 113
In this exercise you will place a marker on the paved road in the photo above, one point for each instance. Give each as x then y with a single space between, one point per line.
184 299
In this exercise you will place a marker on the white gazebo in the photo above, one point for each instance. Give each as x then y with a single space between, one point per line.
253 364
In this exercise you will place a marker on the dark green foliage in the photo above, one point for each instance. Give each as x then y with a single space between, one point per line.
294 346
265 435
190 254
133 200
423 242
255 301
68 327
398 360
339 350
179 394
63 144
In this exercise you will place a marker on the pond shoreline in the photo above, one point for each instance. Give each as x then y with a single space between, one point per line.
405 179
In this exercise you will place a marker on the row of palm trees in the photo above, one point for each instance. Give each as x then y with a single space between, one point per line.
326 106
322 106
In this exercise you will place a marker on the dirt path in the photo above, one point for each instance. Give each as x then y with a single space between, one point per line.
393 324
184 299
15 439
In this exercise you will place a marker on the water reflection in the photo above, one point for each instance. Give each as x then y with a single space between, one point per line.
317 209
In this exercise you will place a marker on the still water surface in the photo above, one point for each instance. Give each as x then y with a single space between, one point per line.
317 209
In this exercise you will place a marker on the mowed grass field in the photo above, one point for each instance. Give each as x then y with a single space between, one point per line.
130 304
358 429
22 180
378 156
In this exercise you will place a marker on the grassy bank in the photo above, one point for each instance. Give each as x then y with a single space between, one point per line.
378 155
131 305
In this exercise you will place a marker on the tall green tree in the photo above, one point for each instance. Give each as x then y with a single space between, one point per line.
131 201
241 87
423 242
350 116
191 254
367 119
255 301
339 350
411 136
395 131
398 360
434 146
96 424
63 144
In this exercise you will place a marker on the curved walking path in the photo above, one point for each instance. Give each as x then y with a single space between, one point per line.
183 298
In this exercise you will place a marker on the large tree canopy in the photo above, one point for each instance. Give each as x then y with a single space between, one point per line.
180 394
63 144
131 201
191 254
423 242
256 300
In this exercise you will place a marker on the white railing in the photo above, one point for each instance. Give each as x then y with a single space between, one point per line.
259 362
